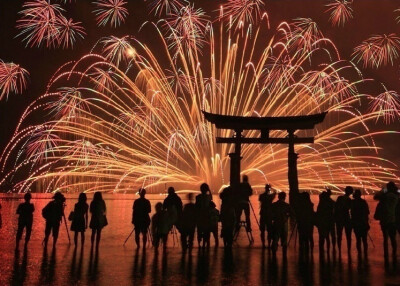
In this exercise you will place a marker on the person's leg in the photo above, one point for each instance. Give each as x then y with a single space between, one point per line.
348 230
262 231
98 237
144 233
137 237
28 233
93 236
358 242
392 235
19 234
385 241
339 232
365 242
76 238
47 232
56 230
246 208
82 238
191 238
284 235
270 233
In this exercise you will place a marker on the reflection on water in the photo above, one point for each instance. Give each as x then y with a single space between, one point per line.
115 264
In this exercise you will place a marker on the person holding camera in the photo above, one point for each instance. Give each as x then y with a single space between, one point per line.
53 213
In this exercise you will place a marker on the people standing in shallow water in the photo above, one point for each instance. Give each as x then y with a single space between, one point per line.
359 218
53 213
386 214
80 218
342 218
25 220
228 219
266 199
214 219
160 226
305 224
280 214
98 219
243 202
173 205
188 223
203 202
325 221
141 218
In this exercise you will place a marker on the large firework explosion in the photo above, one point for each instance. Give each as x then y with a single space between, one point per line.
128 115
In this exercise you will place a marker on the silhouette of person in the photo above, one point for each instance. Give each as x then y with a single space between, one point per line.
160 226
325 221
266 199
228 219
80 218
25 220
141 218
359 218
98 219
305 224
342 218
173 205
244 192
188 223
386 214
280 214
203 202
214 219
53 213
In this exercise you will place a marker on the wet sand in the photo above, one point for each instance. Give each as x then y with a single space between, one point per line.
115 264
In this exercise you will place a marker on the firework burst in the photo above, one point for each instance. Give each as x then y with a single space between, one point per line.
13 79
110 11
386 105
240 13
165 7
341 12
378 50
110 122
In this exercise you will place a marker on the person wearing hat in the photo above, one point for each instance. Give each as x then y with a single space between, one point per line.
53 213
141 218
25 220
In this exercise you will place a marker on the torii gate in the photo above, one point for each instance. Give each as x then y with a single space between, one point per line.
264 125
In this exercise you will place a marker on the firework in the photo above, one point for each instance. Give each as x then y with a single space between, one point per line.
43 23
386 105
397 12
378 50
165 7
341 12
110 11
242 12
110 122
13 79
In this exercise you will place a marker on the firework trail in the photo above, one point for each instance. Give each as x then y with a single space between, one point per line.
110 11
341 12
239 13
43 23
165 7
127 115
13 79
386 105
378 50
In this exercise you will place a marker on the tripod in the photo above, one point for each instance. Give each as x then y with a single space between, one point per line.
248 233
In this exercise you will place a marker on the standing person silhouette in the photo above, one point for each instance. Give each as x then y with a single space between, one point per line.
25 220
80 218
228 219
188 223
160 226
53 213
214 219
203 203
359 217
266 199
305 225
141 218
342 218
325 221
280 214
173 205
386 214
98 219
244 192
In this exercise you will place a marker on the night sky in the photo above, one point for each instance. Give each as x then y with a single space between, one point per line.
370 17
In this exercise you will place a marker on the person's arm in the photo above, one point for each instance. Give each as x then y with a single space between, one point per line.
87 217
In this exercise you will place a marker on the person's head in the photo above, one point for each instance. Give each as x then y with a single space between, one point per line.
171 191
204 188
267 188
328 193
190 197
59 197
357 194
282 196
82 198
97 196
27 197
158 207
245 178
142 192
348 190
391 187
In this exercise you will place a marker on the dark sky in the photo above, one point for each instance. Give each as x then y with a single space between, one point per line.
370 17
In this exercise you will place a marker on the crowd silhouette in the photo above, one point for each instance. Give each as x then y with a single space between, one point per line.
348 214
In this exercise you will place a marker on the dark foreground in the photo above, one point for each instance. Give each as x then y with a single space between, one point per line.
115 264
